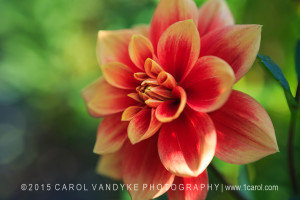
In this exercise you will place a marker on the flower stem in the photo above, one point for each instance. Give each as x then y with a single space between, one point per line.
237 194
292 129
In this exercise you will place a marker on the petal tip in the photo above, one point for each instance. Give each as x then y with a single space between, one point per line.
189 22
96 151
132 140
256 27
134 37
101 33
124 119
99 150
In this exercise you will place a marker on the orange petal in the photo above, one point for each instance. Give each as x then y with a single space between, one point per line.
166 79
153 103
214 14
112 46
140 48
130 112
142 29
143 125
111 134
140 76
103 99
152 68
187 145
110 165
209 84
167 13
150 81
135 96
178 48
119 75
238 45
159 92
244 130
193 188
142 166
171 109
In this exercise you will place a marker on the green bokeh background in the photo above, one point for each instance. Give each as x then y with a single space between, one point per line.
47 56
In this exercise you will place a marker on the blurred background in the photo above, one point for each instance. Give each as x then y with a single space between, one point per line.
47 56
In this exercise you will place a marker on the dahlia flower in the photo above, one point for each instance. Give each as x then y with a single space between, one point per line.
167 99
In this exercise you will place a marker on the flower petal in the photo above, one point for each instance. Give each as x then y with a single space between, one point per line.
112 46
142 166
152 69
140 76
178 48
140 48
193 188
143 125
209 84
187 145
112 133
167 13
142 29
238 45
119 75
130 112
110 165
159 92
244 130
212 15
103 99
153 103
166 79
171 109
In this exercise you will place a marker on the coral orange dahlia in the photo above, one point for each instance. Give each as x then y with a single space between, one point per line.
167 100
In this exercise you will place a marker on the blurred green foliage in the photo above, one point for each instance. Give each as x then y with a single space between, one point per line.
47 56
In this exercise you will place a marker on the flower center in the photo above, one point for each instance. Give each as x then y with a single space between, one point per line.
154 90
151 91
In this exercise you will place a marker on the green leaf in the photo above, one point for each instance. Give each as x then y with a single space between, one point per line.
297 59
243 179
125 195
276 72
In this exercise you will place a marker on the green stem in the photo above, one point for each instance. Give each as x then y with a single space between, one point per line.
292 130
237 194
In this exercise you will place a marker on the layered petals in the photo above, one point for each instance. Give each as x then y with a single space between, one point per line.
143 125
103 99
110 165
141 165
244 130
187 145
167 80
119 75
171 109
152 68
178 48
209 84
214 14
140 48
112 46
194 188
167 13
238 45
111 134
